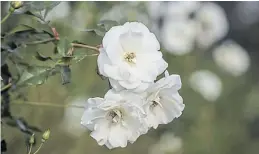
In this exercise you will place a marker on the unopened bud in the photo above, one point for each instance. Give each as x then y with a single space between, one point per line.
16 4
45 135
32 140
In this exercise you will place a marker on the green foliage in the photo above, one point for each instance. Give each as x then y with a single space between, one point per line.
102 27
34 75
63 46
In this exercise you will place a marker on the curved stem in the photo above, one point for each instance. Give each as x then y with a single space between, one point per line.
49 105
42 41
30 149
6 87
6 17
85 46
41 144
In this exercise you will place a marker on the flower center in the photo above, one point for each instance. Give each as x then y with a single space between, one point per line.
115 115
156 102
130 57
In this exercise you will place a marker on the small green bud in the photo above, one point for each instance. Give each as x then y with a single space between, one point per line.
45 135
16 4
31 141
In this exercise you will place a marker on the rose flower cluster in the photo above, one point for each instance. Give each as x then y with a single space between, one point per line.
131 60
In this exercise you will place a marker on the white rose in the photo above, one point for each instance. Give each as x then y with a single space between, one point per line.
115 119
210 31
130 57
163 101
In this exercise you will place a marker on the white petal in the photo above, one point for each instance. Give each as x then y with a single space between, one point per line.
131 41
112 71
118 136
101 133
135 27
112 35
115 84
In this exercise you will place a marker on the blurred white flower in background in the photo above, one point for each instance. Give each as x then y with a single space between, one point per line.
59 12
168 143
177 36
163 101
187 23
124 12
72 118
82 16
207 83
213 24
181 10
247 13
156 9
251 110
232 58
178 31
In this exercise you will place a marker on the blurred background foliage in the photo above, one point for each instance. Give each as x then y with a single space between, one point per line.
220 80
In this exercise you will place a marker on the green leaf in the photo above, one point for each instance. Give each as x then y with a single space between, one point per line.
98 31
35 14
34 75
108 24
34 5
20 28
4 56
41 57
40 27
63 46
49 6
65 72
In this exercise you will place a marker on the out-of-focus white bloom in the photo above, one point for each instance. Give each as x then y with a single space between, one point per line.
179 32
246 13
62 10
207 84
130 57
168 143
125 12
213 24
180 10
156 9
163 101
115 119
232 58
178 36
251 110
71 118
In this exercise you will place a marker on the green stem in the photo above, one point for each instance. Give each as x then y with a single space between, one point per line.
6 87
49 105
42 41
6 17
85 46
41 144
30 149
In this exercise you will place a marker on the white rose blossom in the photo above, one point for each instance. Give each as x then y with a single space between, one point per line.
131 60
163 101
115 119
130 57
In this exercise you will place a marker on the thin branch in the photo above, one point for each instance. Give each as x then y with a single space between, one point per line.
85 46
41 144
30 149
42 41
6 87
48 105
6 17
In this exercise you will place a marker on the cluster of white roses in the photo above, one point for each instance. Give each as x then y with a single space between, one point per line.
131 60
